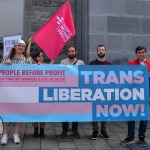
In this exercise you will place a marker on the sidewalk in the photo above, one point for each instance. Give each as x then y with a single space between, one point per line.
116 130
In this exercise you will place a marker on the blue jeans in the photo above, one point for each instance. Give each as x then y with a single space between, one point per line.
142 128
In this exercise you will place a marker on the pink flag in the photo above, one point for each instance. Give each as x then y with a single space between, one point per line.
56 32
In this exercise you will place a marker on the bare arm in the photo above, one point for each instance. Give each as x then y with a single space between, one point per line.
29 45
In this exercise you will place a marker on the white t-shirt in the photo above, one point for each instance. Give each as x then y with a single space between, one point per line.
67 62
143 63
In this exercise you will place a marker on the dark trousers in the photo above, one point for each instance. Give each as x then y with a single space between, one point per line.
65 126
142 128
96 128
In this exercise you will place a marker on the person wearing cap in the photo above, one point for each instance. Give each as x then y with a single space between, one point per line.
140 52
18 55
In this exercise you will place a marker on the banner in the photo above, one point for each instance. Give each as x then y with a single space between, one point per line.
56 32
8 43
59 93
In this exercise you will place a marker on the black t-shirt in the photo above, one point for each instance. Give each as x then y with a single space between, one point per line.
97 62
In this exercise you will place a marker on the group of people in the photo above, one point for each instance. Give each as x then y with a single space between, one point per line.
19 55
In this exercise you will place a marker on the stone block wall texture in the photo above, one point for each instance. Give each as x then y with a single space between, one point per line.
121 25
37 12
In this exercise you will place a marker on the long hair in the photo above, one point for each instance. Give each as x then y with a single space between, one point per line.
36 54
12 54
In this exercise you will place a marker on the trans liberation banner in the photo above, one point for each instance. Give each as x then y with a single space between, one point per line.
59 93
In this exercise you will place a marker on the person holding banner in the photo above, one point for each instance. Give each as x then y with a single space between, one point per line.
140 52
101 52
38 59
71 60
17 55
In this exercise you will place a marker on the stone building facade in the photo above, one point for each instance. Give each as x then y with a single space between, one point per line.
121 25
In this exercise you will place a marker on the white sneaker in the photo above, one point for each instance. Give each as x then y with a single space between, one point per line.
4 139
16 138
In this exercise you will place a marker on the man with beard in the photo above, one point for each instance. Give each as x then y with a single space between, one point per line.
101 51
71 60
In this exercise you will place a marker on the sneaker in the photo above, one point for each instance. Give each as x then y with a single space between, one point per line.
64 134
16 138
105 135
76 134
4 139
128 140
142 141
94 135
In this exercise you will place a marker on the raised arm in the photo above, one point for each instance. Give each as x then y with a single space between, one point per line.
29 45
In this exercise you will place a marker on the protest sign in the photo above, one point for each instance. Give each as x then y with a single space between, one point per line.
58 93
8 43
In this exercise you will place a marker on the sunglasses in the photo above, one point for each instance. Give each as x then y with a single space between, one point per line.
40 56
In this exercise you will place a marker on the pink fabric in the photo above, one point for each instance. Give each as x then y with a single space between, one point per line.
67 81
45 108
56 32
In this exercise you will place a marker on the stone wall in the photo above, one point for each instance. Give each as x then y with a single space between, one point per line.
121 25
37 12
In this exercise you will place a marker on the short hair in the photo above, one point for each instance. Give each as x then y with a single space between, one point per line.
101 46
140 48
71 46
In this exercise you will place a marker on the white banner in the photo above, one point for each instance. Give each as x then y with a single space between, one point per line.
8 43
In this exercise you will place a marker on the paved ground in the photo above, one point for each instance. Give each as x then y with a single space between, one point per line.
116 130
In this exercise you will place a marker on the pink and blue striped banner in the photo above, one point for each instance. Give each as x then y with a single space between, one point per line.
59 93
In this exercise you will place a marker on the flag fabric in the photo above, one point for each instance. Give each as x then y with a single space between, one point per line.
56 32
